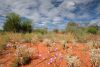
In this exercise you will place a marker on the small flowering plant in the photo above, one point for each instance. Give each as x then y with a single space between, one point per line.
24 54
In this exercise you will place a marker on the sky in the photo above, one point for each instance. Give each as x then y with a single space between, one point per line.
52 13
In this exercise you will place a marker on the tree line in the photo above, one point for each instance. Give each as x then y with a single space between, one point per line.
14 23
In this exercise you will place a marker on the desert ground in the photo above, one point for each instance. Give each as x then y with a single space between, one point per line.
50 50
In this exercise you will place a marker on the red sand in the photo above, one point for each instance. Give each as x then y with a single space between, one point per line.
58 53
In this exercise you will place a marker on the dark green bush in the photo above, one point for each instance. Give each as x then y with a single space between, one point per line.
56 30
14 23
26 26
25 60
92 30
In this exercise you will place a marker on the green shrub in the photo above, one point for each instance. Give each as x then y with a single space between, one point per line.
41 31
14 23
25 60
26 26
92 29
56 30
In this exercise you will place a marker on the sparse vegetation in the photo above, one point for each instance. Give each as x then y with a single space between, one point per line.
3 43
20 40
23 54
26 60
95 57
73 61
70 37
92 29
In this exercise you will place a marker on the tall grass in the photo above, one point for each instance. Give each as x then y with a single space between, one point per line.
4 39
70 37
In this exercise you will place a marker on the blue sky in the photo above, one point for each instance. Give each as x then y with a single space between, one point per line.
52 13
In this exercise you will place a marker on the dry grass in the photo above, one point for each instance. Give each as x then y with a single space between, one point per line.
23 55
94 41
3 43
70 38
95 57
72 61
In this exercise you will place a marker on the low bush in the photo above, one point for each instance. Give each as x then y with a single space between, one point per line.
95 57
73 61
24 54
92 30
26 60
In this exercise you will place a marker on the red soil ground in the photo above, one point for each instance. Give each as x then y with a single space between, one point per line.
56 54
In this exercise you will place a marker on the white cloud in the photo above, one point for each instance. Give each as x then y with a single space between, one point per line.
57 19
80 1
68 5
36 9
95 21
98 9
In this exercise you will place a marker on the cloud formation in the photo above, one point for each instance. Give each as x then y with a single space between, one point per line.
54 12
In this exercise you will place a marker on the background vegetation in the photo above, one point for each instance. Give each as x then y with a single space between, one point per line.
17 30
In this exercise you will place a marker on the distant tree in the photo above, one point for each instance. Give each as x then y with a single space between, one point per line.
41 30
71 27
93 29
12 23
56 30
72 24
26 26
